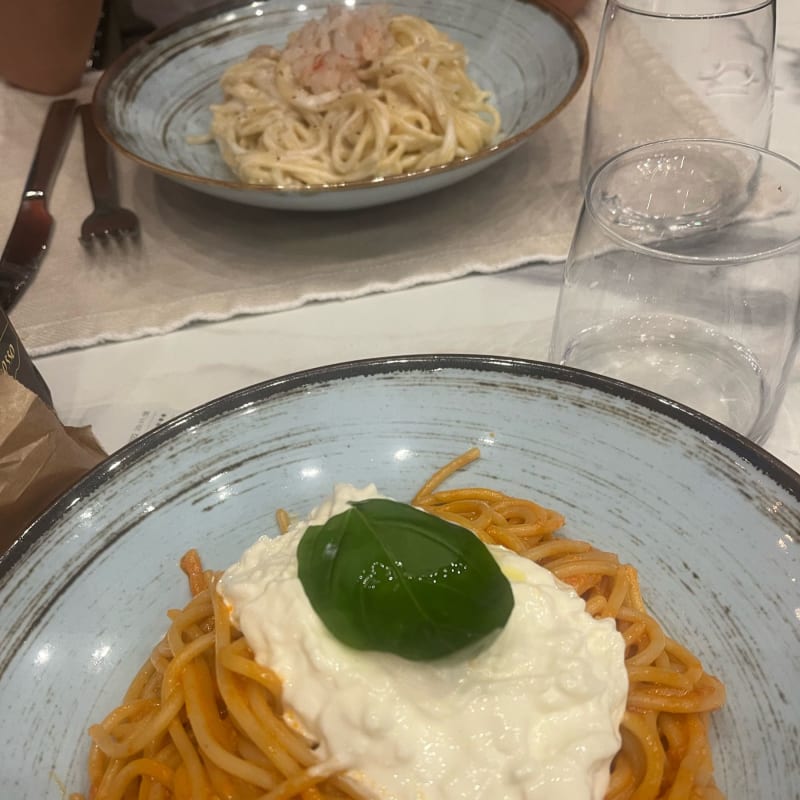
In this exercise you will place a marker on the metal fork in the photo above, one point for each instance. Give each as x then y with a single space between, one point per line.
109 220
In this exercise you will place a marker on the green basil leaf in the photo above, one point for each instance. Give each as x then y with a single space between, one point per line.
386 576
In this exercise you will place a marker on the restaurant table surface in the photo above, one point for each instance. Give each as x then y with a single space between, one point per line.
124 389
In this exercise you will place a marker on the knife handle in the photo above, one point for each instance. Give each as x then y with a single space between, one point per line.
51 148
99 164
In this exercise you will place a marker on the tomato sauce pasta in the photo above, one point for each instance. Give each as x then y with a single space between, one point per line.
202 719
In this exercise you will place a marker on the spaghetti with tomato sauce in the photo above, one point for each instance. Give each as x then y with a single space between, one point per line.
204 716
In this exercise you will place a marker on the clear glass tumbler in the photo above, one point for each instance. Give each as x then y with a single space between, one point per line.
684 288
669 69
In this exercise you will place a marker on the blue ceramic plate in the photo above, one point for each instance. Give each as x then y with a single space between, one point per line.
710 520
532 58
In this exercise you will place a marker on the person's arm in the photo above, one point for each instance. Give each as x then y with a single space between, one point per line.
44 44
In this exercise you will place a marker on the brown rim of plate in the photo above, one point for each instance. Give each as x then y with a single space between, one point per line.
110 75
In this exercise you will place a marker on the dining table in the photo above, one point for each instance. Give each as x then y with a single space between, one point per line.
125 384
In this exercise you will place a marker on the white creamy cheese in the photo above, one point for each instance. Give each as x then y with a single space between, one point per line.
534 715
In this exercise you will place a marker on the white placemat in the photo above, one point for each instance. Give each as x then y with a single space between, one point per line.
201 259
204 259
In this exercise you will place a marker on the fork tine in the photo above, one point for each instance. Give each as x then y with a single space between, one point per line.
108 220
115 223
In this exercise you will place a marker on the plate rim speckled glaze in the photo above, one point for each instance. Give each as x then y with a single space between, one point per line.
88 579
323 196
762 460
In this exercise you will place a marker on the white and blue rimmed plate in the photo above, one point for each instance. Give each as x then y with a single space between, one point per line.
710 520
531 57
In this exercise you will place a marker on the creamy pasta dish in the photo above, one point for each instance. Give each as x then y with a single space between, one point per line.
356 95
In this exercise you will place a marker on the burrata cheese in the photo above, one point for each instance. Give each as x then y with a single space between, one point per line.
532 714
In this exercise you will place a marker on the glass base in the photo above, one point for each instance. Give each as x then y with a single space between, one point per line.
671 191
680 359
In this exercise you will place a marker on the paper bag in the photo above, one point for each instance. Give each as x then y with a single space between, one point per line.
39 457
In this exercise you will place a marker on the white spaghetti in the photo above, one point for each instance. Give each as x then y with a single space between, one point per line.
354 96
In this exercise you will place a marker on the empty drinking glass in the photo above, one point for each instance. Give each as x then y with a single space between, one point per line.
684 288
680 68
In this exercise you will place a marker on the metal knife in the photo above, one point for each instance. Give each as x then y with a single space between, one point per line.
32 228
